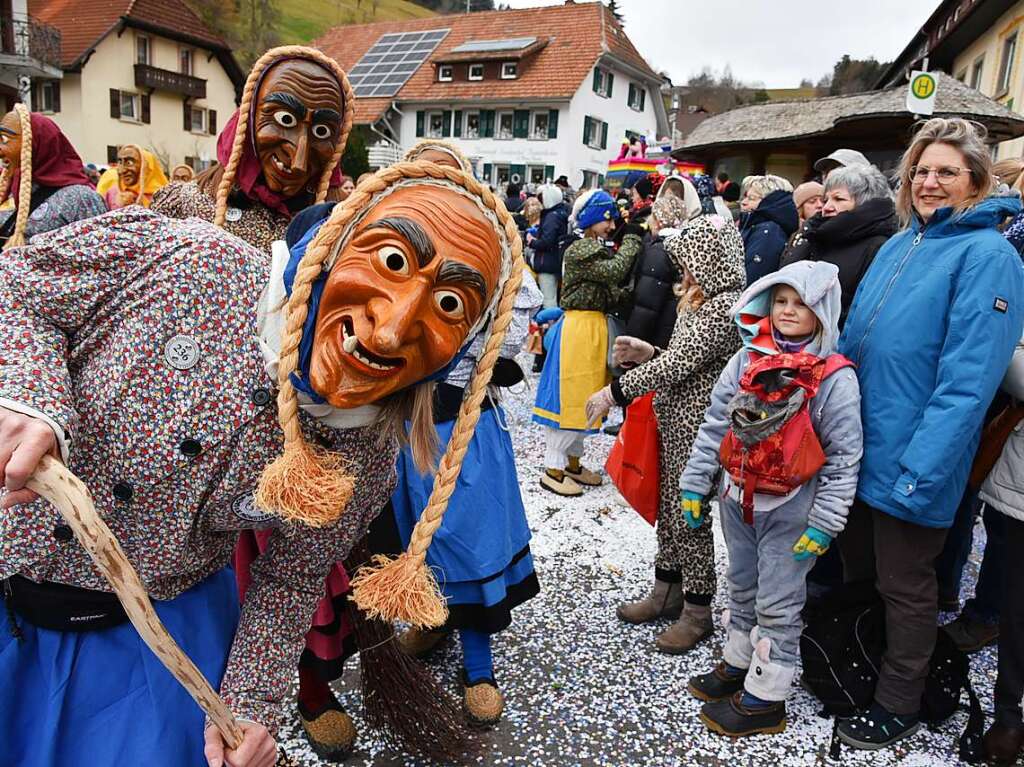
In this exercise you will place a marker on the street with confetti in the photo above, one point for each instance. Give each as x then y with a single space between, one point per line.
583 689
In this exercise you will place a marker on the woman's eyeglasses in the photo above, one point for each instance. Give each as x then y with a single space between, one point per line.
919 174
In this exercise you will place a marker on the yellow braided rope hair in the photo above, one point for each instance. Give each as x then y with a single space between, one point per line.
441 146
310 485
267 60
25 183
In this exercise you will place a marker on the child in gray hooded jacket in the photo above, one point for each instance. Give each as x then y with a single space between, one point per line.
773 538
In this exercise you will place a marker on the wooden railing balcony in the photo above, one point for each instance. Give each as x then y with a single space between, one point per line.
166 80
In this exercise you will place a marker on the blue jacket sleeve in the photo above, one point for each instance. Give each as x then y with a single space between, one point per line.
551 230
986 315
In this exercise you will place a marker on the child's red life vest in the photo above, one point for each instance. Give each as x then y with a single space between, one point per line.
792 454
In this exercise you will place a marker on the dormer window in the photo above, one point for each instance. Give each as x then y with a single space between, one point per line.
509 70
445 73
476 71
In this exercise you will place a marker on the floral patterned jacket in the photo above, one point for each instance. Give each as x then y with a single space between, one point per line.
135 336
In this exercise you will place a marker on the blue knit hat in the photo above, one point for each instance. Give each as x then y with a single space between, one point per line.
599 207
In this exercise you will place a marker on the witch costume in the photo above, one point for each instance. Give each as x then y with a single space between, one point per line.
61 192
134 337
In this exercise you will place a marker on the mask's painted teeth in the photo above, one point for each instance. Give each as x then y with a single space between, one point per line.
351 345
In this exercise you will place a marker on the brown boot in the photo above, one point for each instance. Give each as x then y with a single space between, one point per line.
693 626
665 601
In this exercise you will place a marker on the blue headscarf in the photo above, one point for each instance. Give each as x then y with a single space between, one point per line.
300 377
598 207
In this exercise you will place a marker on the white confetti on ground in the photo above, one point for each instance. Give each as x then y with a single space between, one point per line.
583 689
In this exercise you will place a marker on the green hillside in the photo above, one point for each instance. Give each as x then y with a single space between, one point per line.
253 26
302 21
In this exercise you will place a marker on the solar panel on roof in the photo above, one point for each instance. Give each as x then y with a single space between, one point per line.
386 67
508 44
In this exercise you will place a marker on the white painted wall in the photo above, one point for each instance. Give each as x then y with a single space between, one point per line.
515 151
567 153
85 102
620 118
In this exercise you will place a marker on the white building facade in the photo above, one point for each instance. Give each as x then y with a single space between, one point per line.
535 141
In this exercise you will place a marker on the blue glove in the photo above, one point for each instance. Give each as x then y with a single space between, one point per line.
692 511
813 543
532 230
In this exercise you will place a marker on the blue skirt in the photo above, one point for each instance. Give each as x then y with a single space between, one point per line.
102 698
481 552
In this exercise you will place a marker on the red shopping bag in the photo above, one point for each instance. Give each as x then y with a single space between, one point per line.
633 461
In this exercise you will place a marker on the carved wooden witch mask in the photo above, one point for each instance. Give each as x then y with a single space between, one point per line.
411 281
10 139
297 124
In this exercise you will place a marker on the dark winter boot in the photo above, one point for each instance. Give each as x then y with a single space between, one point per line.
877 728
732 718
718 684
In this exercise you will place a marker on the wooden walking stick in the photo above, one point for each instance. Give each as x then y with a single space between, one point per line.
54 482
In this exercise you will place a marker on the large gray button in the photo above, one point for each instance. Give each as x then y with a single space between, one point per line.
233 215
181 353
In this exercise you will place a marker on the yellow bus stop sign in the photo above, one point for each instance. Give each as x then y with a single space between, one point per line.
921 94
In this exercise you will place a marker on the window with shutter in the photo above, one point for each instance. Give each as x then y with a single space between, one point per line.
517 174
474 125
420 120
549 173
446 123
145 107
604 135
55 89
553 123
643 98
186 116
211 117
609 84
457 124
586 130
539 129
115 104
488 170
598 81
111 154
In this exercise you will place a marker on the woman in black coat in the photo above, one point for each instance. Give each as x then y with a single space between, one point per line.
858 216
653 315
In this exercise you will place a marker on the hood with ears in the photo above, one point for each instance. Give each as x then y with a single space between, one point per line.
817 282
711 249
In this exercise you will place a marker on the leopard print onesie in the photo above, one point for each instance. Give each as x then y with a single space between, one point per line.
682 377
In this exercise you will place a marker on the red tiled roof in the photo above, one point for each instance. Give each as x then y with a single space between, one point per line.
83 23
578 34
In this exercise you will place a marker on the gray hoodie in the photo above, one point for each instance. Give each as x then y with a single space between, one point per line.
835 411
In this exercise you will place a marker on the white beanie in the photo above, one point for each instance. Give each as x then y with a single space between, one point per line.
550 196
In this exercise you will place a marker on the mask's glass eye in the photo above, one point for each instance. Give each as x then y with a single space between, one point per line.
321 131
285 119
393 259
450 304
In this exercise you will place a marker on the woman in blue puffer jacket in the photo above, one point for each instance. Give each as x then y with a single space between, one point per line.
931 330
